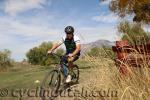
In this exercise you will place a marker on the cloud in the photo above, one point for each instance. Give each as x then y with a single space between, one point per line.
106 18
106 2
90 34
19 36
13 7
13 26
17 47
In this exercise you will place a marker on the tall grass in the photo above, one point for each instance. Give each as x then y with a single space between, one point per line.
134 85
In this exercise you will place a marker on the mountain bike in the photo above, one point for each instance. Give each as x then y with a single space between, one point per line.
57 76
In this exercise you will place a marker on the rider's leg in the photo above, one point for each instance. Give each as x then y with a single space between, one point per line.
70 67
70 64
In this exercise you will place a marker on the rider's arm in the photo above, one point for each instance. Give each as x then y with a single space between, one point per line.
56 45
78 48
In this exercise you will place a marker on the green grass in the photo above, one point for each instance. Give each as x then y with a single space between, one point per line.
21 78
24 75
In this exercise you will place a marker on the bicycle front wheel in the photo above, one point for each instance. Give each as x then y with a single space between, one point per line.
50 84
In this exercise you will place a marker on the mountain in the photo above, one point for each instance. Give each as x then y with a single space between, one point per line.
98 43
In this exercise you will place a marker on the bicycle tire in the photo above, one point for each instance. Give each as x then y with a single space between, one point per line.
54 89
76 73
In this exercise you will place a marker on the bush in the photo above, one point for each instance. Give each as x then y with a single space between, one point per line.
105 52
37 55
5 60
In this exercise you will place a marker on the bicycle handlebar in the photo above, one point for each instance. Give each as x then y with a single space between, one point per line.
57 55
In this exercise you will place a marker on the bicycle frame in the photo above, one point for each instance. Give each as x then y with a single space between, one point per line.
54 78
61 62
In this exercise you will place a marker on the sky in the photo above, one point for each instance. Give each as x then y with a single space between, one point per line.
27 23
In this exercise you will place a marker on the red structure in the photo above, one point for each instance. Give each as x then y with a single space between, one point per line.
131 56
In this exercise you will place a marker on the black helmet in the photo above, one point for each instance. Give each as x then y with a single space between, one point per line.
69 30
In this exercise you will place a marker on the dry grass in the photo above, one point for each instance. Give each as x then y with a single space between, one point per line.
104 75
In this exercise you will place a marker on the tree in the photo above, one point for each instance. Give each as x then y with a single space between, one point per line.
105 52
95 52
5 60
139 8
133 32
37 55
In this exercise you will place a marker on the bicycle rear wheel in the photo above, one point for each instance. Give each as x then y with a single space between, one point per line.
50 85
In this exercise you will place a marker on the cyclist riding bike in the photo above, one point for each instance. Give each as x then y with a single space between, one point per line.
73 48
